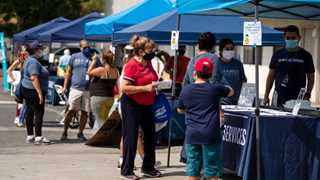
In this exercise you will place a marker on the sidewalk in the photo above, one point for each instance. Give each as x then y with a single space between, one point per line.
73 161
64 161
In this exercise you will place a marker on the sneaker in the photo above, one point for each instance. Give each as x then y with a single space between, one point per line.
120 161
130 177
157 164
81 137
64 137
152 173
20 125
29 139
41 140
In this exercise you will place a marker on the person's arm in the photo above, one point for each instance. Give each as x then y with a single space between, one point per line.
270 79
11 68
68 74
231 91
36 84
97 72
310 84
310 71
128 88
67 78
188 76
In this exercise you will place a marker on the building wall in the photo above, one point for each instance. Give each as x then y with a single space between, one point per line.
115 6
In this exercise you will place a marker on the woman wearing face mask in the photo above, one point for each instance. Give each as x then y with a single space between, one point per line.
138 97
35 86
232 70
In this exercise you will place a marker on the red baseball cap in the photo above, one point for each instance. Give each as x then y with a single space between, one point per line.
204 65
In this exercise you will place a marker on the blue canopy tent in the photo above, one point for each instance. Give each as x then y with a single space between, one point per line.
103 29
284 9
159 29
32 33
69 32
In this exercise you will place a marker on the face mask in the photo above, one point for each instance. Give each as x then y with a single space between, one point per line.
87 52
149 56
291 44
228 54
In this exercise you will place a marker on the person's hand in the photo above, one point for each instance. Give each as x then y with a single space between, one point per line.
40 98
266 100
151 87
307 96
64 90
94 57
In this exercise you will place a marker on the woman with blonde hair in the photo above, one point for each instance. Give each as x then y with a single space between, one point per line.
101 87
138 89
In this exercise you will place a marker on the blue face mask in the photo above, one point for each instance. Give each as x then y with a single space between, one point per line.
87 52
291 44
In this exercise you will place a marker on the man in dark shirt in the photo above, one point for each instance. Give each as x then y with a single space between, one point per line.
200 100
291 68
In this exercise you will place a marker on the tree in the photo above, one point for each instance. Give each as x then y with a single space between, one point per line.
33 12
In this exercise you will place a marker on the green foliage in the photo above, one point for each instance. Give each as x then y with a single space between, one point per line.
30 13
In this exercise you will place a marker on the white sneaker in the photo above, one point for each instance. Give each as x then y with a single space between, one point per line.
16 121
19 124
29 139
41 140
120 162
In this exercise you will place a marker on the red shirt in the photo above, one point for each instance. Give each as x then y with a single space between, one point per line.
182 66
141 75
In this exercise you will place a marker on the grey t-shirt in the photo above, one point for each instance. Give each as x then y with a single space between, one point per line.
33 67
217 74
79 64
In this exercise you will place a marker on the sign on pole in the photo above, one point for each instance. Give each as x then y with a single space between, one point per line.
252 34
175 40
3 59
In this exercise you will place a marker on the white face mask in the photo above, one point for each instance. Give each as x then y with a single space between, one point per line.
228 54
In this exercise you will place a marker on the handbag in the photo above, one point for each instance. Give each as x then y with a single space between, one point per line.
161 109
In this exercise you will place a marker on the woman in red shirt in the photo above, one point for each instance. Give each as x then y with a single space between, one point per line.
138 97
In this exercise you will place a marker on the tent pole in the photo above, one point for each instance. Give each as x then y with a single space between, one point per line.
257 103
174 79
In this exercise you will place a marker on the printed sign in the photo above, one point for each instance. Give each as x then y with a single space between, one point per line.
174 40
252 34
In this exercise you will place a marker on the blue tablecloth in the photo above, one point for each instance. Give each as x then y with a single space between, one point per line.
290 146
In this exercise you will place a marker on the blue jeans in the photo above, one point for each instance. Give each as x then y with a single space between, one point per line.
23 113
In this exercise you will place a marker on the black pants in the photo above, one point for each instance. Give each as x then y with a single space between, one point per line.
34 113
134 115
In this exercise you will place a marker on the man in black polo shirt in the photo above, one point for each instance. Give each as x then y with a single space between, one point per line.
291 68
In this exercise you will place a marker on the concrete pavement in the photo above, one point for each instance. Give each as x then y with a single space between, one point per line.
63 161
